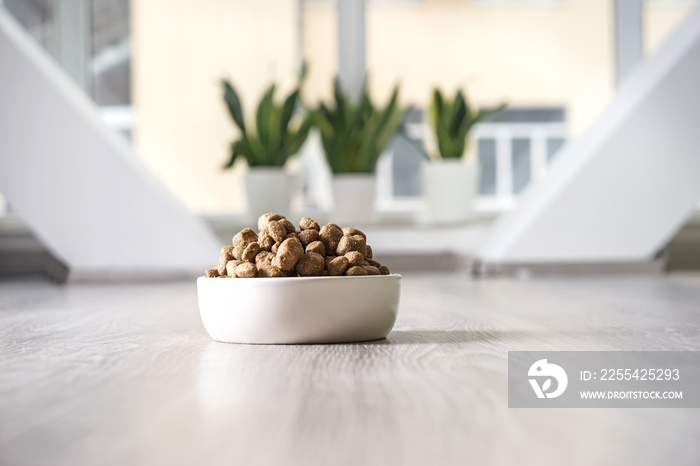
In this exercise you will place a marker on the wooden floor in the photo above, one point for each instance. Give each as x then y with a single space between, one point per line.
124 374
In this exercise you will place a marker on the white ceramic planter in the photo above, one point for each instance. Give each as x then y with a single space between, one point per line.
449 187
268 189
354 198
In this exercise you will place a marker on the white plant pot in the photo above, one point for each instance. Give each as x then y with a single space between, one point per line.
268 189
449 187
354 198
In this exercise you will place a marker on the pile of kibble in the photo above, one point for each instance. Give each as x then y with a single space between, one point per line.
280 250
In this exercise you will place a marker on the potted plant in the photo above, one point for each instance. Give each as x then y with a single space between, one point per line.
450 177
266 145
354 135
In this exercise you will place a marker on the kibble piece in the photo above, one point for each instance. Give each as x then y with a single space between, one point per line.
316 247
213 273
265 241
269 271
310 265
231 267
228 251
368 253
307 224
371 270
292 235
355 258
373 262
250 252
307 237
384 270
274 248
330 236
246 270
288 226
264 258
244 237
351 243
221 267
276 230
328 259
225 256
265 218
288 254
338 265
242 240
353 231
355 271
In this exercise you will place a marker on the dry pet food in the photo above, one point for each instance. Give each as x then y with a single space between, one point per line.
280 250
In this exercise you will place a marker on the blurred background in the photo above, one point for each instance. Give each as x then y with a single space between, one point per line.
153 70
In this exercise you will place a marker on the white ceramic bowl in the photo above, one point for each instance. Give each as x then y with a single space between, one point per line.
299 310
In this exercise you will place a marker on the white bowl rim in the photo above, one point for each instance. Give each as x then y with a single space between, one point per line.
286 279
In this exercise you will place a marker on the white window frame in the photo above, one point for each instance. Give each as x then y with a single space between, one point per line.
504 134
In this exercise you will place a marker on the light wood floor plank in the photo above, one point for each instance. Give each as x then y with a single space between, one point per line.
125 374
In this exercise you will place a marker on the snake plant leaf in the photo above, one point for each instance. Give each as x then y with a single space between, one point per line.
445 143
287 111
341 103
469 112
241 147
481 115
452 120
303 71
484 114
234 156
354 133
367 106
297 138
234 105
324 113
395 121
322 120
259 156
363 112
264 114
459 112
275 136
386 126
460 145
402 135
437 106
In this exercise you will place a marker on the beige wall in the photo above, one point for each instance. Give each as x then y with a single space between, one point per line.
320 40
181 50
660 19
551 54
538 54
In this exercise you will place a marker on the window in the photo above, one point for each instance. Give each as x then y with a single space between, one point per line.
513 148
552 65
